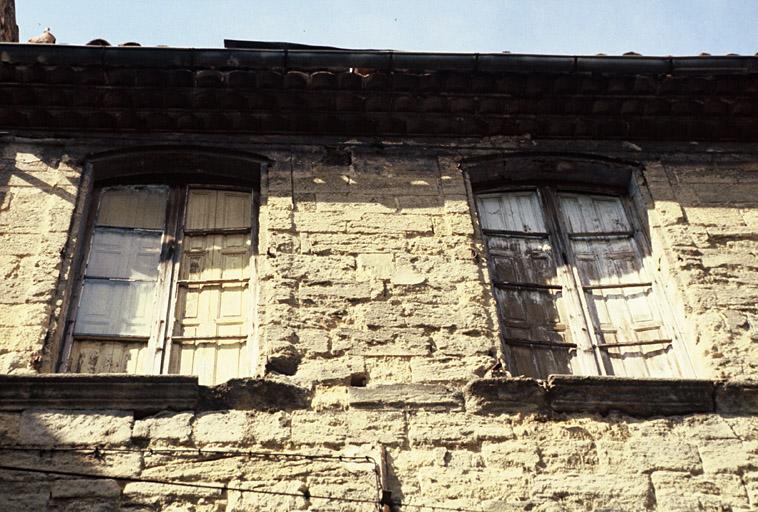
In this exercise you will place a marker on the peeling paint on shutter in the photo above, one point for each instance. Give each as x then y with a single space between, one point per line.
116 308
213 297
572 289
618 291
528 288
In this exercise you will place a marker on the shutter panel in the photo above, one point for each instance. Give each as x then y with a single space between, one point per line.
213 298
625 313
528 288
119 287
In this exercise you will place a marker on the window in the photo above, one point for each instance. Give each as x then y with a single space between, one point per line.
573 290
165 284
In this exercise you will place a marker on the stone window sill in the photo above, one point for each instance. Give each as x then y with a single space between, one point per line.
115 391
145 393
558 394
596 394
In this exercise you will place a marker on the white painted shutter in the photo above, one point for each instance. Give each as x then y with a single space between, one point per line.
118 292
619 293
213 297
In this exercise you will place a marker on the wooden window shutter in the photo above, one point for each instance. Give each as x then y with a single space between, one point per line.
528 288
212 314
572 289
627 316
117 304
166 285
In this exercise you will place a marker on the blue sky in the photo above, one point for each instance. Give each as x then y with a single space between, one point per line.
578 27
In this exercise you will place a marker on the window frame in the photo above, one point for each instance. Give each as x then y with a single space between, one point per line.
159 342
180 168
547 192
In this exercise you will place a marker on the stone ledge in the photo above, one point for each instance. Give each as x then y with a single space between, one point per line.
637 397
78 391
596 394
254 394
737 397
405 396
496 396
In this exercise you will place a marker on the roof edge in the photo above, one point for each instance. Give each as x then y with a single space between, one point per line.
379 60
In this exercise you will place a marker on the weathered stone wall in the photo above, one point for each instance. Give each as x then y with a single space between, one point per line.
370 273
370 269
39 187
442 456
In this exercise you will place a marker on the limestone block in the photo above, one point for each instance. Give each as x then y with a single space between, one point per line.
18 362
360 485
107 463
407 461
588 491
205 466
745 427
382 342
704 426
453 224
24 497
24 314
454 483
376 427
462 344
165 427
654 453
221 427
569 455
335 371
370 223
348 243
374 266
388 370
406 276
313 341
50 427
86 488
682 492
319 222
455 247
404 396
330 397
460 370
178 497
454 429
464 459
313 268
319 428
521 453
339 291
253 502
726 457
9 428
269 429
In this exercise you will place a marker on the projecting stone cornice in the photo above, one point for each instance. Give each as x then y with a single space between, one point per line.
559 394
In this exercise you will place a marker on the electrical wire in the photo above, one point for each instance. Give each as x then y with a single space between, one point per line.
195 451
98 453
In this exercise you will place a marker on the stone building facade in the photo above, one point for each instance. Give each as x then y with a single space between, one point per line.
376 361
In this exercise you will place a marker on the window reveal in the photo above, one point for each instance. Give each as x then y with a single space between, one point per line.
166 286
573 292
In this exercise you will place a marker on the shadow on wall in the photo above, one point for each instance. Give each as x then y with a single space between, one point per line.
216 461
38 191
